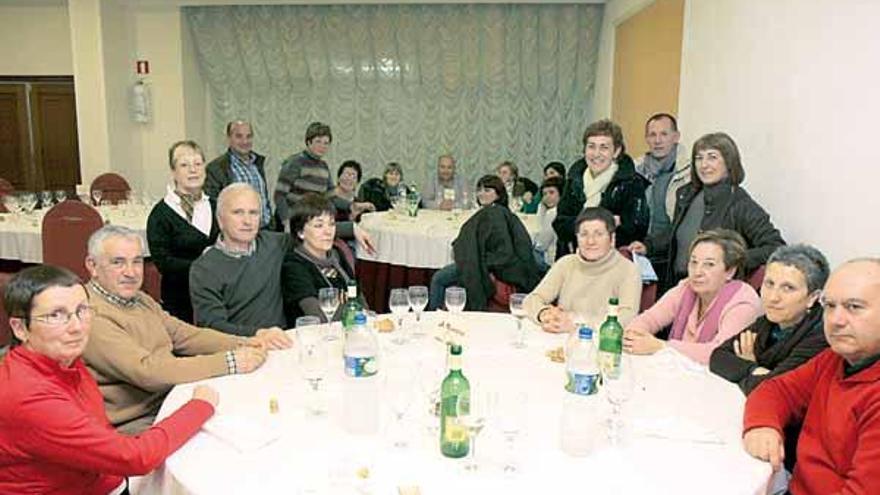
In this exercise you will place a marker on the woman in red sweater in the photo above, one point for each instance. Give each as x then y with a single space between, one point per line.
54 435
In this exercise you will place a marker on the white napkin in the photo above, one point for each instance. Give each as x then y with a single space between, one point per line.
646 268
244 434
675 428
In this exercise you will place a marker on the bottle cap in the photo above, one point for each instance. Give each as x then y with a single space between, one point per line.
613 301
360 319
585 333
455 350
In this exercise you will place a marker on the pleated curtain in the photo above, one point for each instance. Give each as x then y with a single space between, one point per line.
405 83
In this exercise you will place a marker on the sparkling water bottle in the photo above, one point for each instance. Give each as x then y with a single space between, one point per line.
579 425
360 385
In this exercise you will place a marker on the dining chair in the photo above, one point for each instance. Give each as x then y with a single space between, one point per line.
67 227
114 188
6 187
649 290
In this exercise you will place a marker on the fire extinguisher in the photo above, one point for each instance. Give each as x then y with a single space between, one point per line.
140 102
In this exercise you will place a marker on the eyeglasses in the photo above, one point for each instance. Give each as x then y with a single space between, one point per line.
60 317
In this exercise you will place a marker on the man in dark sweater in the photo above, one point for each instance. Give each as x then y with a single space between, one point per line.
235 285
240 164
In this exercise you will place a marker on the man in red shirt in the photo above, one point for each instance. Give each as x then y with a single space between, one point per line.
836 395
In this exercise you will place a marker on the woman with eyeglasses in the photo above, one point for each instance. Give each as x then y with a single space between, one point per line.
54 434
493 242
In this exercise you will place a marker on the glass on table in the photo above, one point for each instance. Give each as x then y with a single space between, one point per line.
60 195
400 392
399 304
455 299
618 387
512 415
475 410
97 194
329 298
518 312
418 299
312 361
46 199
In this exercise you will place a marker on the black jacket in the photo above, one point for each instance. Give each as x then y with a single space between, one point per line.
219 176
729 207
624 197
374 191
494 241
807 340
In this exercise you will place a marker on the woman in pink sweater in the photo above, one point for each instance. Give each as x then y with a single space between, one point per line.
706 308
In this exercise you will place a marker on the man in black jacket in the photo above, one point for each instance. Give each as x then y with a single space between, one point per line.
240 164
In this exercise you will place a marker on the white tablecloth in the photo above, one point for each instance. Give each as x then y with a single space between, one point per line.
21 236
315 455
424 241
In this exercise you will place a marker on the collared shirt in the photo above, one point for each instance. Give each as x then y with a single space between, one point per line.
202 218
235 253
113 298
851 369
247 172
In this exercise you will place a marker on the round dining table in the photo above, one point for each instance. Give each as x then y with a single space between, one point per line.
681 430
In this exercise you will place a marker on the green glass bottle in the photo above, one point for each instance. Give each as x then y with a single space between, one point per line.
352 306
610 342
455 396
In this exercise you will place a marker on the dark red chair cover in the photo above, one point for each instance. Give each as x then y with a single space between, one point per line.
66 231
114 188
5 329
5 188
756 278
649 291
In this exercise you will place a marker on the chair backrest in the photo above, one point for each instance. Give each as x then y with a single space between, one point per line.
66 231
346 251
756 278
649 290
152 283
5 329
6 187
114 188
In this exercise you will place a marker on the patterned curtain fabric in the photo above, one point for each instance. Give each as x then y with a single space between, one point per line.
405 83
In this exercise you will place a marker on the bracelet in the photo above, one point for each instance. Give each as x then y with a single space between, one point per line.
231 367
538 316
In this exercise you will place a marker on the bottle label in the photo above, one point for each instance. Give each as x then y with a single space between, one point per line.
360 366
582 384
609 363
454 432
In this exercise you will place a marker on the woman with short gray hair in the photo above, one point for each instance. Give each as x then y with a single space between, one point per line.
790 332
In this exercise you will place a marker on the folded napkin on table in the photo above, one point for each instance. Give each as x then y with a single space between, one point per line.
243 433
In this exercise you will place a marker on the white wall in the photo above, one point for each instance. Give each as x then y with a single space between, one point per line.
795 83
36 40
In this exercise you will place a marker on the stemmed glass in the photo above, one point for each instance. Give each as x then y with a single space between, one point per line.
519 312
328 297
473 413
455 298
400 391
418 299
60 195
10 201
512 415
27 202
399 305
312 360
619 387
96 196
45 199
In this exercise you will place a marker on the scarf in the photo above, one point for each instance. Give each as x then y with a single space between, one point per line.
652 167
188 203
595 186
329 266
709 326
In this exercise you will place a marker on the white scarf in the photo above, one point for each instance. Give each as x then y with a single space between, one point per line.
595 186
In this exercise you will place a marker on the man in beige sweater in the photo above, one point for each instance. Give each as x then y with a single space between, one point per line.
138 352
578 286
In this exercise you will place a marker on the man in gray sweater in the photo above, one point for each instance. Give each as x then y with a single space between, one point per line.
235 285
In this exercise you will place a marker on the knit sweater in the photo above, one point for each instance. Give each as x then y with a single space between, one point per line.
839 446
583 287
174 244
55 437
741 310
137 354
239 295
300 174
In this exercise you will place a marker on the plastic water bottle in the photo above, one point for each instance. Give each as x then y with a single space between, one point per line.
579 425
360 414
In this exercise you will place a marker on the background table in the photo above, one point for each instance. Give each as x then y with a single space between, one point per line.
21 236
410 249
315 455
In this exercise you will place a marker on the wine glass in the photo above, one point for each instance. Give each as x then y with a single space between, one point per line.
619 386
455 299
512 414
45 199
399 388
418 298
60 196
399 305
10 201
519 312
96 196
328 297
473 413
312 361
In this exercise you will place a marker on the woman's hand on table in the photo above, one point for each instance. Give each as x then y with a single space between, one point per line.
638 341
766 444
273 338
364 240
248 359
207 394
555 320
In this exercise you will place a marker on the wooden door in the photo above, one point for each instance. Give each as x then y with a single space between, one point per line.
15 153
56 150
